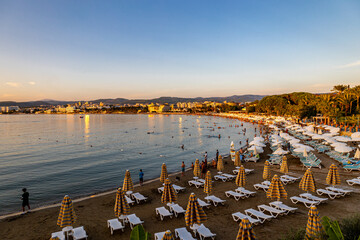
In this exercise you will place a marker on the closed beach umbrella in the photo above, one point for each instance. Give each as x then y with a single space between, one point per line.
197 168
305 153
194 213
313 227
276 189
220 164
169 195
67 214
128 184
333 177
245 230
240 178
232 151
54 238
237 162
307 182
208 183
266 173
164 174
121 205
168 236
284 167
357 154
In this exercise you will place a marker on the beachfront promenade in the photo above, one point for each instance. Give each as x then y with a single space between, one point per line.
93 212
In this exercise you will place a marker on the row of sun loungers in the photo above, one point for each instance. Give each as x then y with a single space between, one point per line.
176 188
76 233
259 216
184 234
247 171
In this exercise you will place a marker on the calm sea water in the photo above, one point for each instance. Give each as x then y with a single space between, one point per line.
54 155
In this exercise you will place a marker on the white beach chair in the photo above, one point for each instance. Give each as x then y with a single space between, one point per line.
59 235
266 183
160 189
139 197
353 181
178 188
163 212
201 180
183 234
236 171
240 216
273 211
229 176
236 195
203 204
258 186
215 200
281 206
195 183
79 233
286 181
159 235
133 220
220 177
176 209
247 171
203 231
331 194
306 202
244 191
129 200
294 179
114 224
311 197
339 190
262 217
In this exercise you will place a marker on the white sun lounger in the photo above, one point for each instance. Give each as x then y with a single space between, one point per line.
229 176
286 181
129 200
262 217
195 183
280 205
79 233
339 190
331 194
236 195
239 216
133 220
215 200
294 179
266 183
176 209
183 234
311 197
159 235
160 189
163 212
201 180
264 187
178 188
139 197
115 224
244 191
306 202
273 211
247 171
203 204
220 177
60 235
353 181
203 231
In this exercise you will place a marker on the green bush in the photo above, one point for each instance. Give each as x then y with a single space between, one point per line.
139 233
295 234
350 227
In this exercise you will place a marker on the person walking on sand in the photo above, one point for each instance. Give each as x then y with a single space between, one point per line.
25 200
183 168
192 165
141 177
217 154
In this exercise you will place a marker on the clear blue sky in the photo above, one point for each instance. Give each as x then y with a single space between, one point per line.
84 50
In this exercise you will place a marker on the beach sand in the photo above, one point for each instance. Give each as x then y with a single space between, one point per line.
93 213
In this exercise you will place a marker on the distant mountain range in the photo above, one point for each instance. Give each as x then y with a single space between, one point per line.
162 100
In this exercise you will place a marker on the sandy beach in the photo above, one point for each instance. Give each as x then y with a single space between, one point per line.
92 213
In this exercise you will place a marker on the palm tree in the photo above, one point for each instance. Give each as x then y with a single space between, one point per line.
338 89
355 91
346 100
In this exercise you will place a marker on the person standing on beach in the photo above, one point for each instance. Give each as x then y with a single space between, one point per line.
192 165
25 199
183 168
205 158
141 177
217 154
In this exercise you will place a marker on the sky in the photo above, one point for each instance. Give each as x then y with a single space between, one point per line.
86 50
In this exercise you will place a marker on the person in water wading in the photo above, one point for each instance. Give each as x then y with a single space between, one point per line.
25 200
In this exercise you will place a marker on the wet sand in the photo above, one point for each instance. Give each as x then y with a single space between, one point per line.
93 213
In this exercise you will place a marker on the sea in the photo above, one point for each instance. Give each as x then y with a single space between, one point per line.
79 155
